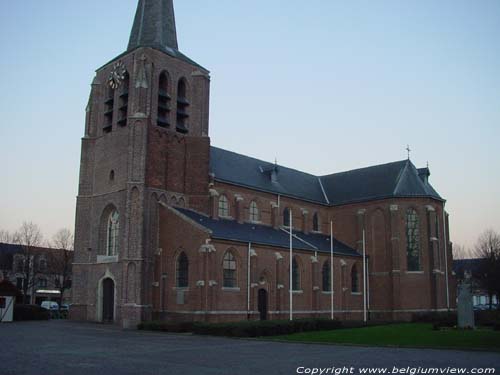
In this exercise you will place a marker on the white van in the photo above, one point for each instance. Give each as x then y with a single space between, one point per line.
50 305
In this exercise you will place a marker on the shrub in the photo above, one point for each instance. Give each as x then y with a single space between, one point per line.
244 328
181 327
30 312
265 328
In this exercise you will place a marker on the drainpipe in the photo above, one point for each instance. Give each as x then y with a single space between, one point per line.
364 278
446 260
248 280
368 285
331 269
291 267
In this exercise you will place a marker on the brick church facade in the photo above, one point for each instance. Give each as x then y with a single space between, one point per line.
169 227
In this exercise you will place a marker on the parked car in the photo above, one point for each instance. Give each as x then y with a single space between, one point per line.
50 305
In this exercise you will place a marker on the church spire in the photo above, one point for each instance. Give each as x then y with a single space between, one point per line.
154 25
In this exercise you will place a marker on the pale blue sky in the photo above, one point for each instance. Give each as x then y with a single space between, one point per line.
322 85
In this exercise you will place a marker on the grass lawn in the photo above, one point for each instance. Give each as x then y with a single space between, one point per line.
416 335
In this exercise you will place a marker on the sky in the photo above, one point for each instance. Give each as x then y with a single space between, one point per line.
323 86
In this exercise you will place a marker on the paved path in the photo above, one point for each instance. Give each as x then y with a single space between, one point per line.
62 347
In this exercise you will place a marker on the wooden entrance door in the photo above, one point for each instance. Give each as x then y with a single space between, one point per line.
262 305
108 300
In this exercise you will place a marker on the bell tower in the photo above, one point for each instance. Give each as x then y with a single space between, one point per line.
146 140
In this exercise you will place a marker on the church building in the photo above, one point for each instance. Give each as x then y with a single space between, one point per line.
169 227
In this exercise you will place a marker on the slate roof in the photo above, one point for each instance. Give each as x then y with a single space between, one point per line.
154 27
397 179
470 265
231 230
253 173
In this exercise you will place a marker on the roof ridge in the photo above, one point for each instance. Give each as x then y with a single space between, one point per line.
309 174
300 239
363 168
263 161
399 179
323 190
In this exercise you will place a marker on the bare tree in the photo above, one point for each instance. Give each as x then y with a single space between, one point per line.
6 236
28 237
62 260
488 249
462 252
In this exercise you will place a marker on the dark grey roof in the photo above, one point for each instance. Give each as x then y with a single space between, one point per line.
7 248
257 174
7 252
397 179
231 230
154 25
474 266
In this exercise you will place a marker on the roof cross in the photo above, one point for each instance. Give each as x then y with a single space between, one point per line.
409 150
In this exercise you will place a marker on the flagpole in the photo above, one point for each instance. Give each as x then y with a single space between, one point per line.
364 277
331 266
291 268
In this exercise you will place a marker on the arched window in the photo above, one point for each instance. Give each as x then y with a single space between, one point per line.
254 211
315 222
182 278
163 102
412 240
438 242
182 106
326 274
229 270
123 108
223 206
286 217
295 275
113 233
354 280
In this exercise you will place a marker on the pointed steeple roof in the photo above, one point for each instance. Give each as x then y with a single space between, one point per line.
154 26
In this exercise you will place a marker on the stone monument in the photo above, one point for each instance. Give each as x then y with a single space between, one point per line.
465 310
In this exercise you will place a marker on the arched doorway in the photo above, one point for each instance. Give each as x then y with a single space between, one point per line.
108 300
262 304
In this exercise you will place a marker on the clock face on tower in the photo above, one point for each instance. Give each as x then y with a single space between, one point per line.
117 75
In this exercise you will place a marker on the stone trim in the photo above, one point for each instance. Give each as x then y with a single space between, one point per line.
105 259
226 289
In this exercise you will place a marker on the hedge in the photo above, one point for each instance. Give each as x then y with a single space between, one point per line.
182 327
438 319
30 312
245 328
